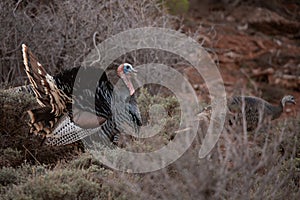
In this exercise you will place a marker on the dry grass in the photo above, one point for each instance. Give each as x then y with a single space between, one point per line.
61 33
262 165
17 145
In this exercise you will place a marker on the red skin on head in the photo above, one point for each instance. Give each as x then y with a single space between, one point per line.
125 78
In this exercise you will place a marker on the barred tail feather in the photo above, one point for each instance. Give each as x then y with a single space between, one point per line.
43 85
54 94
41 120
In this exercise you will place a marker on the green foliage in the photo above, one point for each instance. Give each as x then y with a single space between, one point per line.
60 184
85 161
237 169
8 175
146 100
166 110
177 6
67 181
10 157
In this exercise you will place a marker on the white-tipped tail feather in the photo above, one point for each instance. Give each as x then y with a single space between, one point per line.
43 85
92 112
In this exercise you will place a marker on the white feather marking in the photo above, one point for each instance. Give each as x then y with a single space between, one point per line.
25 59
66 132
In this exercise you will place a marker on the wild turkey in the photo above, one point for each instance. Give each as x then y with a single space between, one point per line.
76 103
256 110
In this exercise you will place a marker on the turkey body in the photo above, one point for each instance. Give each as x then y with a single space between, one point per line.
116 108
256 110
88 92
77 103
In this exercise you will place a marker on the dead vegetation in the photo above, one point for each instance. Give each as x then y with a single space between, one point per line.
63 32
17 145
253 60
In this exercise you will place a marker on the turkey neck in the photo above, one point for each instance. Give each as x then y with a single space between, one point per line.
277 110
127 83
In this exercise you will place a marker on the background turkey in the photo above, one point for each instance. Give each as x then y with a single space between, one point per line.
256 110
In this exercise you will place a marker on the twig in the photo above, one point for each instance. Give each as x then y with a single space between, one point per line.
250 80
32 155
98 51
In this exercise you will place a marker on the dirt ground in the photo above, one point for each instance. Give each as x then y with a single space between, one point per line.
255 44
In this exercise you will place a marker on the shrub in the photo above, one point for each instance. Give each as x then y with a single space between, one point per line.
61 32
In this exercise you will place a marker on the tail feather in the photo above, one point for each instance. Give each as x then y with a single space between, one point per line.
41 114
42 120
53 118
62 131
52 100
43 85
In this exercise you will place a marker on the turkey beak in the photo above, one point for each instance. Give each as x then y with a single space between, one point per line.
293 102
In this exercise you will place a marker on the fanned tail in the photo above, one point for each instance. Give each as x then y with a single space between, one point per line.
42 120
52 99
53 118
43 85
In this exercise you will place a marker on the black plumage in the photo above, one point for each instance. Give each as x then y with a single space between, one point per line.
79 102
